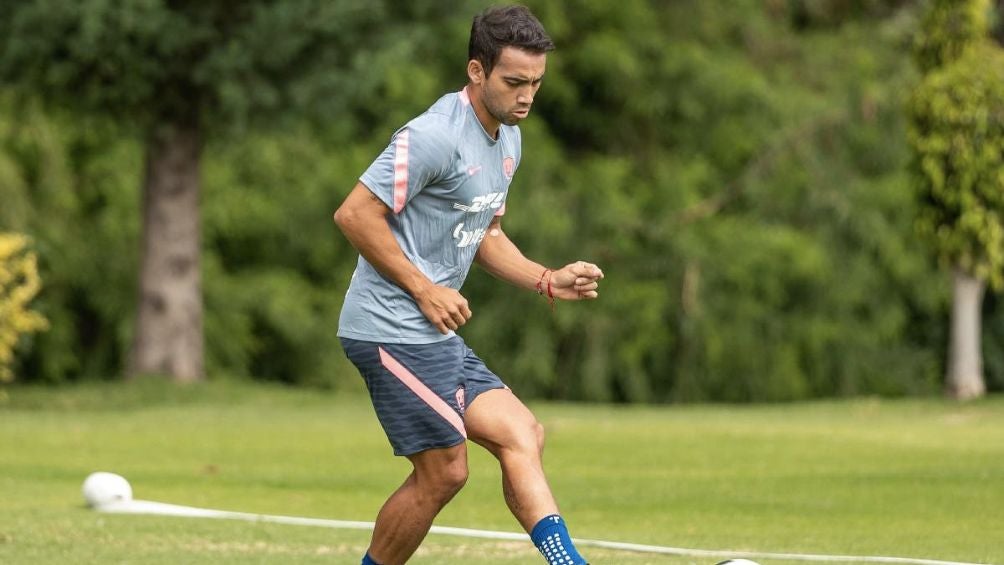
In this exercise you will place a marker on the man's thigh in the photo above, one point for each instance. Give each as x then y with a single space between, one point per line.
420 391
499 420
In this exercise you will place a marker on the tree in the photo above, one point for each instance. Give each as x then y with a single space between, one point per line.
740 173
957 136
743 183
175 72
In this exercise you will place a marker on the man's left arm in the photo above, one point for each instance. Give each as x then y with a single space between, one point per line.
500 257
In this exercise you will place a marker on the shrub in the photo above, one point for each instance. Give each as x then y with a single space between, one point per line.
19 283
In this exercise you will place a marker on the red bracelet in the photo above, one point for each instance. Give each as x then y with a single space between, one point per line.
540 282
540 287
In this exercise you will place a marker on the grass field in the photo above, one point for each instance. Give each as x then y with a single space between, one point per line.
913 478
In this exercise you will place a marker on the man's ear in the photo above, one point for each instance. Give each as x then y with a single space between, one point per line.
475 72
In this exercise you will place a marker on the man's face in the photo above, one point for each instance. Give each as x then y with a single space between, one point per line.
508 92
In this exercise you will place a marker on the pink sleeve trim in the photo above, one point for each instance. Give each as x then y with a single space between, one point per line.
400 170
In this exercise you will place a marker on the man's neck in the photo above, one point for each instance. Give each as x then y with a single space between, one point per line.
488 122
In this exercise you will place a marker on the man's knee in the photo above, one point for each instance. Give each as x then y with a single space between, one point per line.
453 477
528 439
443 475
538 431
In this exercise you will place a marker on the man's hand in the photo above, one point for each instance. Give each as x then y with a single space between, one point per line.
576 281
445 307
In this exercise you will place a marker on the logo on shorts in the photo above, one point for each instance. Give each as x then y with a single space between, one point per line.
461 397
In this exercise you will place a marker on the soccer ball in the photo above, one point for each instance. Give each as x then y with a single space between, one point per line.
737 562
102 488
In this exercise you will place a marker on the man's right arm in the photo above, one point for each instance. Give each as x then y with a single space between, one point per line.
362 217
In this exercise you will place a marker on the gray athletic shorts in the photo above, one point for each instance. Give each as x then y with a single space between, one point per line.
420 392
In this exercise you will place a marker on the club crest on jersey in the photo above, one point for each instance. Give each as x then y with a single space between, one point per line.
508 167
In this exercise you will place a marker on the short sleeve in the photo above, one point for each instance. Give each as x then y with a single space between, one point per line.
418 154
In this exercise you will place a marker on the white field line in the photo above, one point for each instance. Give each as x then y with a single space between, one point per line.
164 509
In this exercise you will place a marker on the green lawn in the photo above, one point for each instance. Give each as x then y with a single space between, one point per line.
867 477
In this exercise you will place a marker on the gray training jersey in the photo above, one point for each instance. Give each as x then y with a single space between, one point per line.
445 179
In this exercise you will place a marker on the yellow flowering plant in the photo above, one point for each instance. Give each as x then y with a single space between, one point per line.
19 284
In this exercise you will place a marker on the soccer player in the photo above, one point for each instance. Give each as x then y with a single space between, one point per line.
424 210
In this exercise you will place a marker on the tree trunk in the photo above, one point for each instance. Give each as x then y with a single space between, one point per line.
168 333
965 360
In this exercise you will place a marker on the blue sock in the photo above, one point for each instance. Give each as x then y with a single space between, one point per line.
550 535
367 560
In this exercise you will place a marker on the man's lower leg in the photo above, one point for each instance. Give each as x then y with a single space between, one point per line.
526 491
403 523
502 424
406 517
531 502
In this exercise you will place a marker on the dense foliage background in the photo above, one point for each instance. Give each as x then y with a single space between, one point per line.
738 168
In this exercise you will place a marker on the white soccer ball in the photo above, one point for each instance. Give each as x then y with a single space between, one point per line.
737 562
102 488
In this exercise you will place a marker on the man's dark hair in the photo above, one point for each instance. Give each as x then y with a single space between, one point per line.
501 26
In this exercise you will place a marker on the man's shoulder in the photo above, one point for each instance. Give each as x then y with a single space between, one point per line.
442 124
445 114
512 132
512 139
